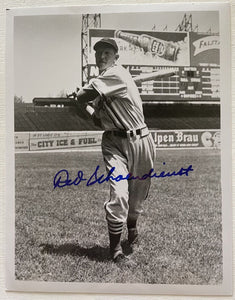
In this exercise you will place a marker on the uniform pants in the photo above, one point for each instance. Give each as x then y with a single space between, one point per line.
128 155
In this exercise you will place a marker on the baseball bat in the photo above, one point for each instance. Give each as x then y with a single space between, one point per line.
154 75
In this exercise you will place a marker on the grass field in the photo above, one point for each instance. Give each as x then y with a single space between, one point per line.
61 234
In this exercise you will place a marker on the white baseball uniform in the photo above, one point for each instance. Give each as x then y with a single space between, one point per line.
126 144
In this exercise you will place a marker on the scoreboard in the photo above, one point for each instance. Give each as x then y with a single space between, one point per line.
189 83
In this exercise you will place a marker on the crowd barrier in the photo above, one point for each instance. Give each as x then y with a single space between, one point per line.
164 139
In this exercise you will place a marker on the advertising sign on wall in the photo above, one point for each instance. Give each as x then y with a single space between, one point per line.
204 49
64 140
21 141
164 139
145 47
186 138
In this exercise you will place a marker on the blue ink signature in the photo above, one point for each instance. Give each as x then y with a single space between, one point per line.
62 179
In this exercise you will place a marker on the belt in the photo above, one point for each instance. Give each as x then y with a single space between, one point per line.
142 132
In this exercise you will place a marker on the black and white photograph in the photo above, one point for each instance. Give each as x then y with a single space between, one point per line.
118 149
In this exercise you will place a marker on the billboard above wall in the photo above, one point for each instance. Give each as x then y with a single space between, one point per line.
151 48
145 47
204 49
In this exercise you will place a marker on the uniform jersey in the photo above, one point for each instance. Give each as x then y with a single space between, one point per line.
119 105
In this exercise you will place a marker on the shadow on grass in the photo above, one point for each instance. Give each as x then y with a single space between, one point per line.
96 253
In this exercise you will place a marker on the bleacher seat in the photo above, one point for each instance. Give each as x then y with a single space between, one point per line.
51 119
38 118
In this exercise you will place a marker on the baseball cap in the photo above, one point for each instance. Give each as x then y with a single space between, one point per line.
106 41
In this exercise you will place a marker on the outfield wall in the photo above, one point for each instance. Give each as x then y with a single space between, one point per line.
164 139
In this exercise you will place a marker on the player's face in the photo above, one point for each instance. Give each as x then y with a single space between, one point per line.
105 57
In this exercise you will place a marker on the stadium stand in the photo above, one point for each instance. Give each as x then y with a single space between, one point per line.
182 116
34 117
39 118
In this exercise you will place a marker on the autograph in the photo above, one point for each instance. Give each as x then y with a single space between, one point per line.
62 179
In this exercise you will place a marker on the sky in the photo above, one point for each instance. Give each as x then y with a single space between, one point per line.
47 49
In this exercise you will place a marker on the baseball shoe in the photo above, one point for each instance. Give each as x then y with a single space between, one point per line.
121 260
117 255
133 236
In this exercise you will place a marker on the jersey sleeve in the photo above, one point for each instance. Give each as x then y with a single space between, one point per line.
111 83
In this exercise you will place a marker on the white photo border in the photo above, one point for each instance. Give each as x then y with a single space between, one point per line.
226 157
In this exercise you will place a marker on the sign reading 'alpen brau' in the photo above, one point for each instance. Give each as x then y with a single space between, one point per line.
187 138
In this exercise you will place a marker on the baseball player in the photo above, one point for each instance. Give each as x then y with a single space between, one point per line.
126 142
